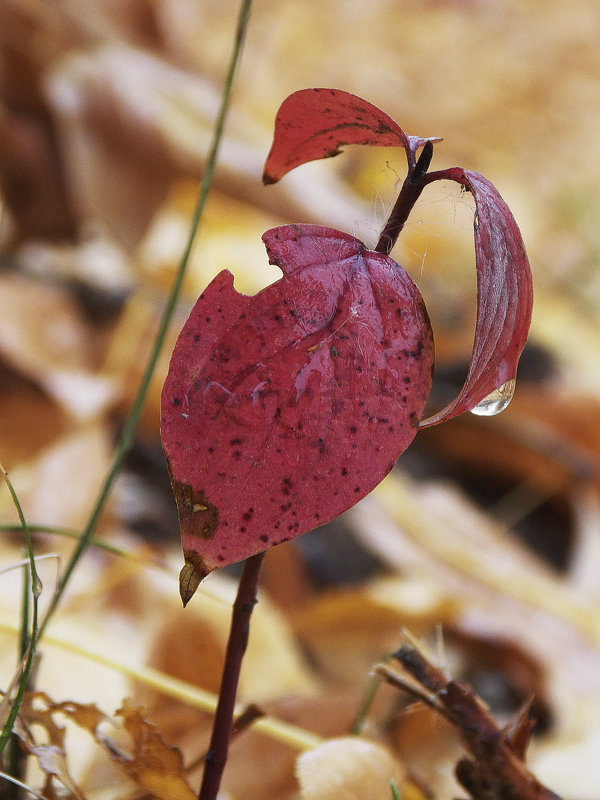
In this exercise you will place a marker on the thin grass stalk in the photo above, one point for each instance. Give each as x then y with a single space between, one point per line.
36 589
126 438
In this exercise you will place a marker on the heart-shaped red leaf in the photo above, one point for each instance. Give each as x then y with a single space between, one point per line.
282 410
504 295
315 123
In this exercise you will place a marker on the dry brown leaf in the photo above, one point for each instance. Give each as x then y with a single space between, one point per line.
38 710
348 769
155 767
152 765
44 337
346 632
59 485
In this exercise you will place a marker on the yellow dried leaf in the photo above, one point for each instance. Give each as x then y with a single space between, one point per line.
152 764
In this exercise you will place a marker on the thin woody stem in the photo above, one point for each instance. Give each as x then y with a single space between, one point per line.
409 194
236 647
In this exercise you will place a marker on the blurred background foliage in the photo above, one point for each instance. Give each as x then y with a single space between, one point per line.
489 528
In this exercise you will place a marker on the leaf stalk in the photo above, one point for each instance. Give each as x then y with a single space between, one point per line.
409 194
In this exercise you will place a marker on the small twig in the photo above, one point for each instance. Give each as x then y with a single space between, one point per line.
236 647
495 769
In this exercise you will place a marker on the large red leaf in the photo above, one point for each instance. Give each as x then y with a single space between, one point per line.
315 123
504 295
282 410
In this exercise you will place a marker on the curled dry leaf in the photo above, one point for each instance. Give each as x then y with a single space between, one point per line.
37 712
154 767
348 769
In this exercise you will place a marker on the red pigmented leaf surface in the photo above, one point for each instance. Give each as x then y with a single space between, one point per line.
504 295
315 123
282 410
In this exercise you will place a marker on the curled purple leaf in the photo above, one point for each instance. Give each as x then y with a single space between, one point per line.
504 295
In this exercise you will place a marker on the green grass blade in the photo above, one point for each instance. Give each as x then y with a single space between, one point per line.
36 589
126 438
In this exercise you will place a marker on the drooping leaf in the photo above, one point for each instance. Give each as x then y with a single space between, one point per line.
504 295
282 410
315 123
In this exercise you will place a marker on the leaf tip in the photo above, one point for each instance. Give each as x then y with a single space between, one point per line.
193 571
268 180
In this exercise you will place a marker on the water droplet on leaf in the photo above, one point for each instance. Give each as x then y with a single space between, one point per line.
496 401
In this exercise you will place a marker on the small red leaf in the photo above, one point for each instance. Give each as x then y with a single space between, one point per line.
504 295
282 410
315 123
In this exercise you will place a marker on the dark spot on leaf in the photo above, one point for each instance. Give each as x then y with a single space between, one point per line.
344 471
264 538
407 380
175 401
356 489
242 529
211 449
237 454
414 420
208 319
197 338
352 428
236 441
334 352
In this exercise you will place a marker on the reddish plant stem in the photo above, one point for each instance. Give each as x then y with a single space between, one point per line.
409 194
236 647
